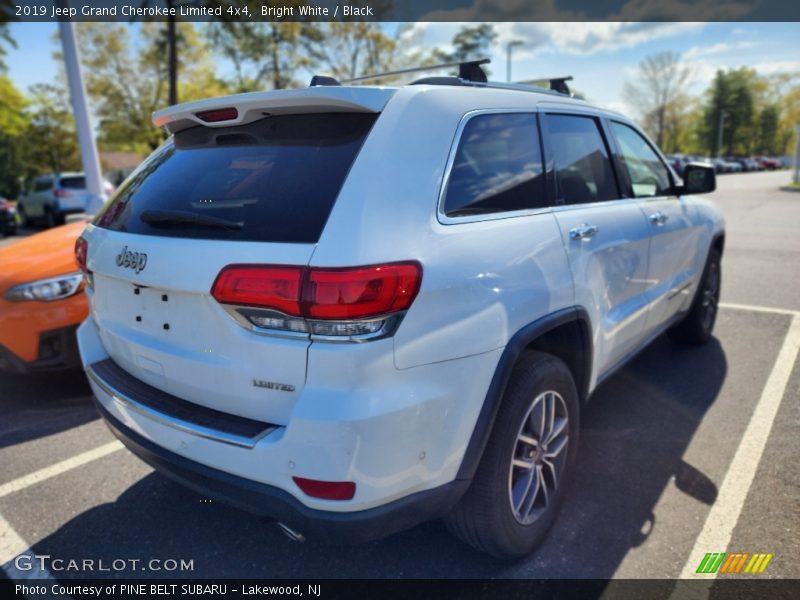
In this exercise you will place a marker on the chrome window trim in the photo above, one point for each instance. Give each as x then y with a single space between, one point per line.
451 157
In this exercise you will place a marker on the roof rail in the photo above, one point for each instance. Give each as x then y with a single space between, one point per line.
467 70
557 84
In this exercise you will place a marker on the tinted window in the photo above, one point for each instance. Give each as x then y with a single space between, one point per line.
272 180
648 175
583 168
73 183
497 167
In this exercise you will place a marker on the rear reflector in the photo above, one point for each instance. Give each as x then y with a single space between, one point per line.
326 490
218 114
81 251
321 294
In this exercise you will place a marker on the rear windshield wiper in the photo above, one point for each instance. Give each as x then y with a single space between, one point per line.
173 218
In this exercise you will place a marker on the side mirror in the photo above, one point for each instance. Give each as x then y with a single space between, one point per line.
698 179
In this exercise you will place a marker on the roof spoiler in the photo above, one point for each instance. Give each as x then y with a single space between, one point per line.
238 109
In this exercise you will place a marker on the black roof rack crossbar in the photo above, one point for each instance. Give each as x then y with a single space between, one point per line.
557 84
469 70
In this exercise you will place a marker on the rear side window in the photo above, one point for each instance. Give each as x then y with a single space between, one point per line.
497 167
582 162
648 175
274 180
73 183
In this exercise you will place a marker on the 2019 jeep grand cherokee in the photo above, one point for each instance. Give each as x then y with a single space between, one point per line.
354 309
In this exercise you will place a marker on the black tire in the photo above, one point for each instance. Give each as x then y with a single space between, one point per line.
484 518
696 328
23 217
11 230
50 218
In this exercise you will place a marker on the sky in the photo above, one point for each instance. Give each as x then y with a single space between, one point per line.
600 56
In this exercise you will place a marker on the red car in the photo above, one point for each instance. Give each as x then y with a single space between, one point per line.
768 163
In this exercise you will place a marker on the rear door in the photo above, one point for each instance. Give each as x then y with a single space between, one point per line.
40 195
71 193
604 233
255 194
674 241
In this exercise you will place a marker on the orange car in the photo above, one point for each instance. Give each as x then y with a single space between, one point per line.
41 301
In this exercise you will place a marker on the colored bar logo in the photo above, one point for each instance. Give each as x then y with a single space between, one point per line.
734 562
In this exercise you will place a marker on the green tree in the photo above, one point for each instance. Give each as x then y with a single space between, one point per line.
13 124
768 127
730 93
351 49
473 42
51 142
264 54
127 82
659 95
6 15
470 43
346 50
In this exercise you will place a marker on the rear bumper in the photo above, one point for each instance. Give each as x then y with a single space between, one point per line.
270 501
58 350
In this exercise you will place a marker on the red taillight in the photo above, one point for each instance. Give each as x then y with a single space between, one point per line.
360 292
326 490
262 286
62 193
81 252
218 114
321 294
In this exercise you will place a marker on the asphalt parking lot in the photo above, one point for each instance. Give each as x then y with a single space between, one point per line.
683 452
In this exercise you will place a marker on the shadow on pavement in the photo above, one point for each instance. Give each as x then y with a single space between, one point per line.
38 405
635 431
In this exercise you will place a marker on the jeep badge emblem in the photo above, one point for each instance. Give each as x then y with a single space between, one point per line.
131 260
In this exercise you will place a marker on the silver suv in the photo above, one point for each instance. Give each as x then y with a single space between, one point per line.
53 197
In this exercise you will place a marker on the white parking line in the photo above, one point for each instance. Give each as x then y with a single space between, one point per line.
763 309
57 469
11 546
725 512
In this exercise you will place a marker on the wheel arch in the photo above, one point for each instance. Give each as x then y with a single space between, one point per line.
718 242
566 334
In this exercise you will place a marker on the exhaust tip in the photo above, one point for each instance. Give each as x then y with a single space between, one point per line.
293 535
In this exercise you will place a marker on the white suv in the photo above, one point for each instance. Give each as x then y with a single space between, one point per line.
354 309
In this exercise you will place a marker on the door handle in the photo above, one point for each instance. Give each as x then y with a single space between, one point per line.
658 218
583 232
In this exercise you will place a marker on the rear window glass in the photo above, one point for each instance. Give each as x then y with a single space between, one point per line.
273 180
73 183
497 167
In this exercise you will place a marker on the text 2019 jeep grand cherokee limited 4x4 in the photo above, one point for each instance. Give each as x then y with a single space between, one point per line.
354 309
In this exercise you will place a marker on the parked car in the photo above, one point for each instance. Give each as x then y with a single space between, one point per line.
354 309
769 164
41 301
8 217
53 197
678 162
